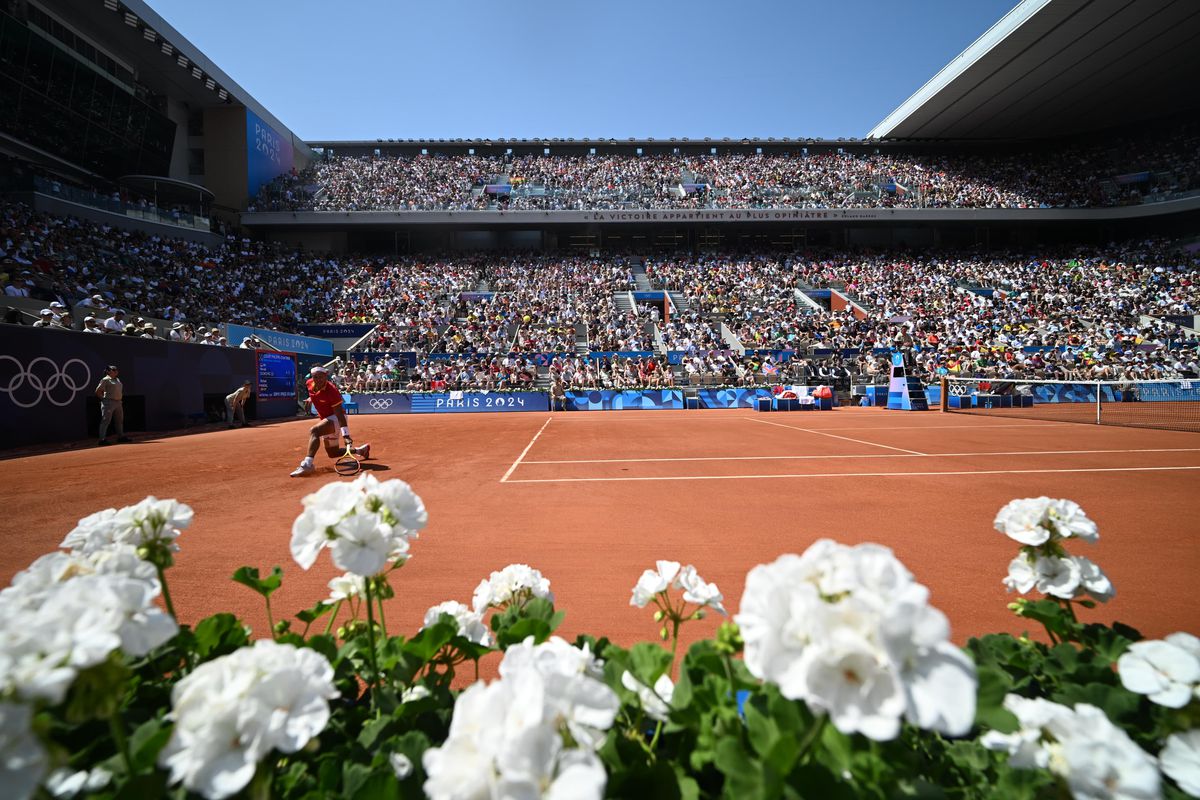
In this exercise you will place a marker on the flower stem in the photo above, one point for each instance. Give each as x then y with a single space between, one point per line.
382 619
371 640
333 617
117 728
162 580
811 737
270 619
260 784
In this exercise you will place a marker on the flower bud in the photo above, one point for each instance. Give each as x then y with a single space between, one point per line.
283 626
658 615
662 633
699 614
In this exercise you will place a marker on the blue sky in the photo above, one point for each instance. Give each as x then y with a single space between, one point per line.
366 69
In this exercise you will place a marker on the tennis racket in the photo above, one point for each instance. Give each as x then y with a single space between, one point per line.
347 464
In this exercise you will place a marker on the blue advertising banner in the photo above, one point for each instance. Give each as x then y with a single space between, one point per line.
268 152
338 330
778 355
291 342
731 398
649 296
612 400
450 402
596 355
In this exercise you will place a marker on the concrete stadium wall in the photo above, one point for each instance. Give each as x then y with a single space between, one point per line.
48 379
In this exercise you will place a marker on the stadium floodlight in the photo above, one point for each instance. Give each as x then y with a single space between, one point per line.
222 95
197 73
149 35
182 61
131 19
111 5
167 48
210 84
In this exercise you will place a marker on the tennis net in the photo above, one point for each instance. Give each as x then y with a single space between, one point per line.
1168 404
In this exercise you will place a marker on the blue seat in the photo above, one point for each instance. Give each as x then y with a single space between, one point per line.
348 404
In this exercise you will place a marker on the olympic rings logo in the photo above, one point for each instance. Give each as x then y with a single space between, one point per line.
43 380
380 403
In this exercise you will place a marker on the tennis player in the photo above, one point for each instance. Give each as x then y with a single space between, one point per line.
332 428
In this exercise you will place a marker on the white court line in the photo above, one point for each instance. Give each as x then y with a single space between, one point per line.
526 450
867 455
851 475
834 436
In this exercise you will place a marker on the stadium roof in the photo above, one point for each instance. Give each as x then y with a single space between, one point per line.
164 60
1053 68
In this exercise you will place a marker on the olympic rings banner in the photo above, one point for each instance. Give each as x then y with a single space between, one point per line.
612 400
48 377
450 402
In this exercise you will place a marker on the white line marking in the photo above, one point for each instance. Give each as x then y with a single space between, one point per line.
867 455
526 450
851 475
835 436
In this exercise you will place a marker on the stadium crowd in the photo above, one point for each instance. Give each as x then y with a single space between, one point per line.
1082 313
1116 170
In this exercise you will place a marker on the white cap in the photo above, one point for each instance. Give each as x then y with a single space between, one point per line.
57 304
89 319
45 311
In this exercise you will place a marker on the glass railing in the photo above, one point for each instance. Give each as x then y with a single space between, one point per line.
182 219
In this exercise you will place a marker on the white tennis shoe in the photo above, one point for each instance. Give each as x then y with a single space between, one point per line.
363 450
302 470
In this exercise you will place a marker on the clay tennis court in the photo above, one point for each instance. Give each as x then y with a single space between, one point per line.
592 499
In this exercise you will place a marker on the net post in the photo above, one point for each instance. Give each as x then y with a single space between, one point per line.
1098 394
945 394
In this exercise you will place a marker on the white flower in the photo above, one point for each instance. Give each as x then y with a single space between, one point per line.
696 590
65 783
1070 521
1028 747
401 764
655 702
470 622
345 586
1161 670
365 523
230 712
22 759
414 693
149 522
1022 576
505 738
849 631
1057 577
514 583
1026 520
653 581
1100 761
1180 760
1093 581
1097 759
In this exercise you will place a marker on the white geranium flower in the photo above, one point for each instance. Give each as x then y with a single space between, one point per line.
365 524
514 583
414 693
1070 521
470 622
1186 641
148 522
653 581
22 759
1180 760
1161 670
1028 747
1026 521
1093 581
655 702
405 507
345 586
1099 761
65 783
1057 577
230 712
849 631
696 590
1022 574
505 738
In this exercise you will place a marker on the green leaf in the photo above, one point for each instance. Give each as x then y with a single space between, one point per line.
372 730
310 615
219 635
354 777
656 780
379 786
649 661
248 576
743 777
994 686
146 742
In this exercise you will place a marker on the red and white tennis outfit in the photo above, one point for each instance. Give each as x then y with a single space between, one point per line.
327 401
